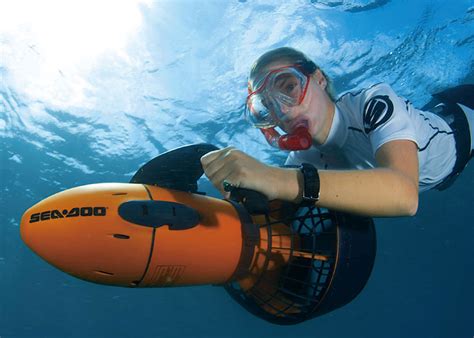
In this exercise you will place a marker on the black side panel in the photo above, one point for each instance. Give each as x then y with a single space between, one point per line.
177 169
158 213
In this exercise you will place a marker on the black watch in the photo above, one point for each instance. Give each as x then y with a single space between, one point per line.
310 185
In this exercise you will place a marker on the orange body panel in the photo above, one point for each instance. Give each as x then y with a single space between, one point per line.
85 246
206 254
81 232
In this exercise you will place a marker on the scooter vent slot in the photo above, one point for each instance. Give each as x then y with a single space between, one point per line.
104 273
121 236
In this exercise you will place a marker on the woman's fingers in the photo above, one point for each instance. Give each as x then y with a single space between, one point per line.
214 155
220 166
235 169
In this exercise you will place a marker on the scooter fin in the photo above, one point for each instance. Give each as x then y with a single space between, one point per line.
177 169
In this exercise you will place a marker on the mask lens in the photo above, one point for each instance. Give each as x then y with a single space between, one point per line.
258 111
288 86
279 90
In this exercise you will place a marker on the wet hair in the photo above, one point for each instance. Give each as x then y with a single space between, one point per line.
292 56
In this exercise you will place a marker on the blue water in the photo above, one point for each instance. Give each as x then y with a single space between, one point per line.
90 91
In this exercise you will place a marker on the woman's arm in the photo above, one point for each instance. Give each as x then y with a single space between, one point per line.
388 190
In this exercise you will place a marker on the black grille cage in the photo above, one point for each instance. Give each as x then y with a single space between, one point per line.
310 261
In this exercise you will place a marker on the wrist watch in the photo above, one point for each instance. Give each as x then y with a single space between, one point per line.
310 184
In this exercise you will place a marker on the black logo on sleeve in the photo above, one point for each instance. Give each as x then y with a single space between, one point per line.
377 111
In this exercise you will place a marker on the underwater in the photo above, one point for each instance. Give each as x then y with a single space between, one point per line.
91 91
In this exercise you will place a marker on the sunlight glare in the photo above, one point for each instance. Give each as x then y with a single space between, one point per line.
67 32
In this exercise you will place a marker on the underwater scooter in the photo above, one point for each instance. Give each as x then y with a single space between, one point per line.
282 262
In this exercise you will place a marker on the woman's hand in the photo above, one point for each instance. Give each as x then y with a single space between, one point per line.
243 171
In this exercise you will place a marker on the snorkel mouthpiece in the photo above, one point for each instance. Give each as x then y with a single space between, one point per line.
299 139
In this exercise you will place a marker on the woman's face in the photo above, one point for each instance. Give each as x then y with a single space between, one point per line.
315 111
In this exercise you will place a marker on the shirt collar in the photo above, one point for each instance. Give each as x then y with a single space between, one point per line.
338 132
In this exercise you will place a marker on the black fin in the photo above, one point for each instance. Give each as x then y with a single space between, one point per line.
178 169
463 94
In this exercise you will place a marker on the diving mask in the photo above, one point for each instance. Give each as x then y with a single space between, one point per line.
274 94
271 98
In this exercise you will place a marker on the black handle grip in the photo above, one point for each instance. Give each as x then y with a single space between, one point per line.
254 202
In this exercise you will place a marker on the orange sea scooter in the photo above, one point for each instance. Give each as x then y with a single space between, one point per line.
282 262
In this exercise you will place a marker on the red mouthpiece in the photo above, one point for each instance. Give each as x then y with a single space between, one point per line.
299 139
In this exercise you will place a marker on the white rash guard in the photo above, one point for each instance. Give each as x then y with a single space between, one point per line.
366 120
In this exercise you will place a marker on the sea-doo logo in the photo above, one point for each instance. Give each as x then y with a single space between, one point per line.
74 212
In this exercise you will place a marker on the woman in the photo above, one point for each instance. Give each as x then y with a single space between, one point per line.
374 152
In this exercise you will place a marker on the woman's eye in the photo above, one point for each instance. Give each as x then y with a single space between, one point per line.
289 88
288 85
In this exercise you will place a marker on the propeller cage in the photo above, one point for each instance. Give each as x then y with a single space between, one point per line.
327 259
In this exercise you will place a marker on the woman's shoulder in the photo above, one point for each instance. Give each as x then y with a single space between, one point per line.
379 88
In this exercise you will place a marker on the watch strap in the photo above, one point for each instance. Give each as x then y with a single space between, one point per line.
311 184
